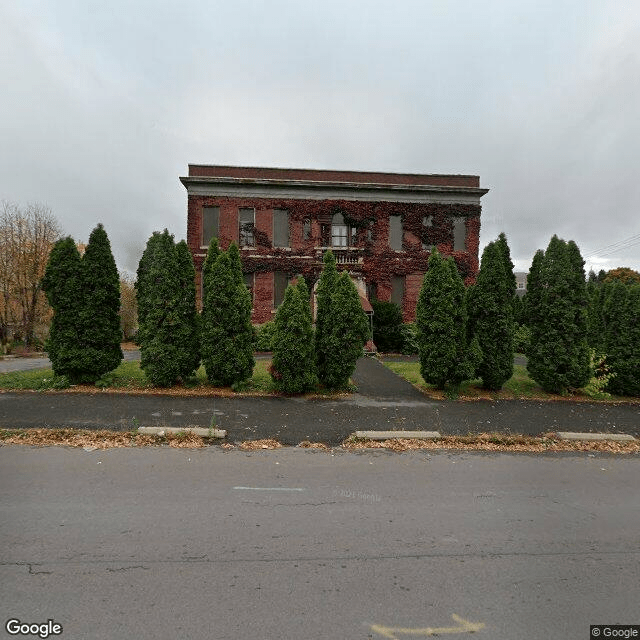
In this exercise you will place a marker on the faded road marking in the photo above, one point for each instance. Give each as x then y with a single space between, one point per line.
269 488
464 626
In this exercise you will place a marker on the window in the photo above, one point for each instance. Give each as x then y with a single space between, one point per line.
459 234
397 289
395 233
247 227
306 229
427 222
249 280
339 231
281 228
280 282
372 291
210 224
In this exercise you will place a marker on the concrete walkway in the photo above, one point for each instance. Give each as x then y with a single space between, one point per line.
9 364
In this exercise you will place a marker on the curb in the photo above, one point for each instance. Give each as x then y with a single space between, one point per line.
615 437
199 431
395 435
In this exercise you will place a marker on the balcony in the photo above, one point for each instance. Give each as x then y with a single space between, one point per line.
343 255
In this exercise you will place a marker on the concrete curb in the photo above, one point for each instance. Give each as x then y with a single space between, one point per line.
395 435
615 437
199 431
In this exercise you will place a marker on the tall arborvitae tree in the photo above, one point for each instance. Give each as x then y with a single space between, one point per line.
303 290
100 333
324 315
212 253
490 307
503 245
387 326
446 355
622 338
346 335
159 312
189 329
595 320
559 354
62 284
235 262
227 334
293 365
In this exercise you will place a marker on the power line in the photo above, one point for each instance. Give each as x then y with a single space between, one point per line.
614 247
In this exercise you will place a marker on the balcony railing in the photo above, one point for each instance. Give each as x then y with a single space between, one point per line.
344 255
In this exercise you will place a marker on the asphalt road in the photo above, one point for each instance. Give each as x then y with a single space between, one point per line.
288 544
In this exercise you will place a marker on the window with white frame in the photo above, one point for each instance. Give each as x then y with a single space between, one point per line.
339 231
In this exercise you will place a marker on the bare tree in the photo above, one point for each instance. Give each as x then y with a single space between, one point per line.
128 306
27 235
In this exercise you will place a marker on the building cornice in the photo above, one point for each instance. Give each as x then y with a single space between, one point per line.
328 190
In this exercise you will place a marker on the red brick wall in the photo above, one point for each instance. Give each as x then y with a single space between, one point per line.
379 264
364 177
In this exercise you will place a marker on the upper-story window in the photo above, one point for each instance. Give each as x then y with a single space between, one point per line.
210 224
342 235
306 229
459 234
247 220
281 228
427 222
395 233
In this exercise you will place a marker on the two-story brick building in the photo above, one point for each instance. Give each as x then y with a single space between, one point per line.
380 226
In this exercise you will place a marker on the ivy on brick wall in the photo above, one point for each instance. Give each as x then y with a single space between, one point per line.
371 223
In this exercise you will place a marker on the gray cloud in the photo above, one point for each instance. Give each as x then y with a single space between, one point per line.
108 103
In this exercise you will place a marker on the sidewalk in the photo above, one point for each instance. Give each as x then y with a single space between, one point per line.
384 402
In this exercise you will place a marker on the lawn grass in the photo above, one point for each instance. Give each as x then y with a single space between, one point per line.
129 378
520 387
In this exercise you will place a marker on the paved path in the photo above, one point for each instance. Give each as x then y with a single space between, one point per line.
10 363
384 402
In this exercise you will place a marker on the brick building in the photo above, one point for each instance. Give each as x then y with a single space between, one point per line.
380 226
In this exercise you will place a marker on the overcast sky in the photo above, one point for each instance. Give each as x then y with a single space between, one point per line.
104 104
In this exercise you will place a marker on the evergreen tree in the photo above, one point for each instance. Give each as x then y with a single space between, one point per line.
559 354
446 356
293 365
490 306
235 263
227 334
388 335
212 253
346 335
189 329
622 338
595 320
62 283
159 312
503 245
99 320
532 300
303 290
325 314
